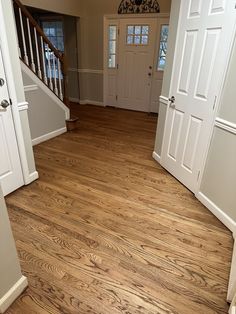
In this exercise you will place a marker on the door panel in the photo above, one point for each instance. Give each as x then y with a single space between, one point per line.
175 134
136 63
11 177
187 61
204 40
195 8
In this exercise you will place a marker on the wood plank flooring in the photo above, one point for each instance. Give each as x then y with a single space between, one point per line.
106 230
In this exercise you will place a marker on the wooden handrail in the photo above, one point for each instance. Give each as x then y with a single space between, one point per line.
39 30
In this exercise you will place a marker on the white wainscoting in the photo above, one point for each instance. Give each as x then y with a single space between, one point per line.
225 125
86 101
218 212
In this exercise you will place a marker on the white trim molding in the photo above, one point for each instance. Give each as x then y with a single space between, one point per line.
156 157
232 309
232 279
23 106
48 136
7 300
164 100
219 213
29 88
32 177
225 125
91 102
91 71
73 99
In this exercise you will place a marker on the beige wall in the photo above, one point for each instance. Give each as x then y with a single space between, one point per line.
45 115
70 7
219 179
10 271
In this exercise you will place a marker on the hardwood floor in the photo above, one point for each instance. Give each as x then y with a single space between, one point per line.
105 230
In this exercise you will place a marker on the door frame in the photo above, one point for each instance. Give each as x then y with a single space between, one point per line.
116 18
10 53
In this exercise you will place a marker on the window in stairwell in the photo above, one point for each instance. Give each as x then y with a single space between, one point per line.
53 29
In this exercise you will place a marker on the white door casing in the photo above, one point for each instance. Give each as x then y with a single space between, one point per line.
135 67
157 77
11 176
204 40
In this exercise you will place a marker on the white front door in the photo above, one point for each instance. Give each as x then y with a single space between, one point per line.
11 177
136 54
204 40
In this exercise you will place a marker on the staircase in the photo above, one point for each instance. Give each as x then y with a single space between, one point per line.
41 57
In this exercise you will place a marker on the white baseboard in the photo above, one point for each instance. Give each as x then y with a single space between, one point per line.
7 300
91 102
222 216
72 99
156 157
32 177
48 136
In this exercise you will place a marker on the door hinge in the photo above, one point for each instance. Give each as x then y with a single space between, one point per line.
215 103
116 97
10 101
118 31
117 66
199 172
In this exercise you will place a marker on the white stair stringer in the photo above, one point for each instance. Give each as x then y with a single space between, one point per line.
44 88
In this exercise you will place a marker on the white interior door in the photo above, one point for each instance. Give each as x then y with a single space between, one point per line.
205 34
136 54
11 177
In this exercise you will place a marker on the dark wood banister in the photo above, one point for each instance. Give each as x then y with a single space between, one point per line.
39 30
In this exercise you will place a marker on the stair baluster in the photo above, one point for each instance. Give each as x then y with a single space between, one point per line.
37 54
26 59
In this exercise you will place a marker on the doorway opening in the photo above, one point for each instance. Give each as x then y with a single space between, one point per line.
134 61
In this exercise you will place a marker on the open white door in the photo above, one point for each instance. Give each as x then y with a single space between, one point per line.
204 40
11 177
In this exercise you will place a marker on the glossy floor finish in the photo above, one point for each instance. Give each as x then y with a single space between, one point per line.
105 230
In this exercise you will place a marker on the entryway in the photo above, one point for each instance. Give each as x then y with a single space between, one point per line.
134 60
